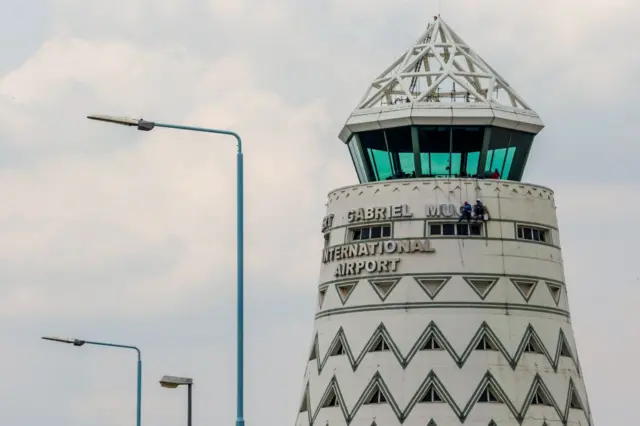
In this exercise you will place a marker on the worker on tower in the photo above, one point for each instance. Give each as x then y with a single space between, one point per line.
479 211
465 212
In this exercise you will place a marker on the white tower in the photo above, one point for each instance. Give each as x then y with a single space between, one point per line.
423 320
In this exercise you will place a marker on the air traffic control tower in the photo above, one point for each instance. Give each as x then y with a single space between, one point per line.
422 320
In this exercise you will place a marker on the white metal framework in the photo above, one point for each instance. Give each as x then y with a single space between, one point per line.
441 67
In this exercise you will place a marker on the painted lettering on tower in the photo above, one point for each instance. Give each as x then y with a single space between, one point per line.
378 213
379 248
440 210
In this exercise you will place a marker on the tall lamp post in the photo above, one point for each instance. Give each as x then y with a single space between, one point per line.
80 342
173 382
146 126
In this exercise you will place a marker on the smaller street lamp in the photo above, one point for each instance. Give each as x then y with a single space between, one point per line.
80 342
173 382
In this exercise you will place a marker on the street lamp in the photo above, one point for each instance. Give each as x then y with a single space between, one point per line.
173 382
80 342
146 126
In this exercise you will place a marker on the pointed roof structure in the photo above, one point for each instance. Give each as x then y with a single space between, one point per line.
441 80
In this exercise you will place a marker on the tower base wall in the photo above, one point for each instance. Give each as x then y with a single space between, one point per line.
426 320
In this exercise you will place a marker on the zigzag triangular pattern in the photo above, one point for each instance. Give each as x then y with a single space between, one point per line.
555 290
573 399
431 394
488 390
305 405
481 285
384 286
525 287
345 290
530 343
321 295
432 285
314 349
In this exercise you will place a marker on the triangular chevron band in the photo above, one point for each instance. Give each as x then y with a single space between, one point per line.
433 332
537 391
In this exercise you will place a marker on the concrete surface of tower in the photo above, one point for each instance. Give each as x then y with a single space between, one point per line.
423 320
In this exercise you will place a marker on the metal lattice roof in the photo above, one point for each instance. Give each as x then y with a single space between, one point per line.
441 67
440 80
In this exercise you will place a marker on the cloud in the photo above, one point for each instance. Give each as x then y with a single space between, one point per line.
112 70
131 13
253 12
557 40
82 221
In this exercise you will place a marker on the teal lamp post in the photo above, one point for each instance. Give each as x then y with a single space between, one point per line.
146 126
79 342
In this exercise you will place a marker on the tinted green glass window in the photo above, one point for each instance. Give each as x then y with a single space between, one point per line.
381 163
390 153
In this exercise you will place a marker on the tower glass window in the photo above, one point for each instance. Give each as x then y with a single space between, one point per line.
355 149
389 153
440 151
447 151
507 152
435 153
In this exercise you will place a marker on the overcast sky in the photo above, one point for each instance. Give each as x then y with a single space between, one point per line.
117 235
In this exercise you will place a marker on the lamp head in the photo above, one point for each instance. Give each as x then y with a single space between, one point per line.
173 382
124 121
74 342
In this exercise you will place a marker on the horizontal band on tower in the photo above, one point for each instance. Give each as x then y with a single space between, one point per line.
440 274
488 390
433 339
443 305
442 220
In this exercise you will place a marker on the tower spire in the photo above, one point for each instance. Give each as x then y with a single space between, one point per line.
447 70
441 74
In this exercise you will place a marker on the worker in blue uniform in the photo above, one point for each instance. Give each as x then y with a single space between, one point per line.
465 212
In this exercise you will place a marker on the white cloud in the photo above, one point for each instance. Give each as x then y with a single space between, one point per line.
116 71
373 8
170 197
125 12
253 12
568 42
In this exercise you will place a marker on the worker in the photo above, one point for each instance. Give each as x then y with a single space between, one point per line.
478 211
465 212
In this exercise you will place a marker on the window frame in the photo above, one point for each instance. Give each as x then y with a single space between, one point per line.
456 228
352 230
544 234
